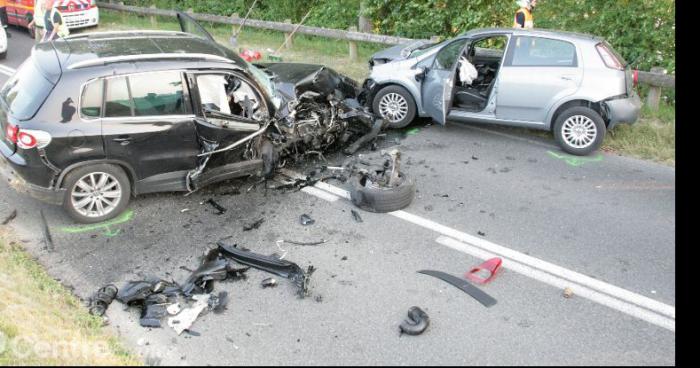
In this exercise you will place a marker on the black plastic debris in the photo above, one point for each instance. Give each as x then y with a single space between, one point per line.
282 268
254 225
268 282
356 216
135 291
481 233
216 269
464 285
218 303
216 206
153 311
9 218
306 220
474 158
416 323
48 240
102 299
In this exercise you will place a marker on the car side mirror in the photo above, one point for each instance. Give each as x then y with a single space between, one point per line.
420 73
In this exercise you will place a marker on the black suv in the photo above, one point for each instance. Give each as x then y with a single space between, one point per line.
90 120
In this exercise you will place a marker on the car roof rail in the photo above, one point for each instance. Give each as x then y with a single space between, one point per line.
117 33
149 57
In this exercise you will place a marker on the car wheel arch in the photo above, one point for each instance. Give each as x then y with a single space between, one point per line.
596 106
130 173
379 87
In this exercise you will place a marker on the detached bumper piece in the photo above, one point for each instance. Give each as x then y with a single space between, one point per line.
281 268
623 110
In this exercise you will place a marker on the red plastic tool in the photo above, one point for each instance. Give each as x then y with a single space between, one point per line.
492 266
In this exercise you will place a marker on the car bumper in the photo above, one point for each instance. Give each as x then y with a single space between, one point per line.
8 175
623 110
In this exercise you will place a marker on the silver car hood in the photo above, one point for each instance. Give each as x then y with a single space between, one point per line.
399 52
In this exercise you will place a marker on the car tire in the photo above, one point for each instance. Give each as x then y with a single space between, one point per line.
399 98
381 199
579 130
75 193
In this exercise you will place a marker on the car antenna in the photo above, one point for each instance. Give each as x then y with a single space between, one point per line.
234 39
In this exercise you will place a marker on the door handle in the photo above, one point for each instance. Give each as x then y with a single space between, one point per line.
122 140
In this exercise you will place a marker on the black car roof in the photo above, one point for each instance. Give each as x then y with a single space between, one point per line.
84 49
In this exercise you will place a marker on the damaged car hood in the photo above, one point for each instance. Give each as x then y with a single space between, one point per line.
289 76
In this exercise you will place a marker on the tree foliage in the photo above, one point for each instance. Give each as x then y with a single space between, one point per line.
641 30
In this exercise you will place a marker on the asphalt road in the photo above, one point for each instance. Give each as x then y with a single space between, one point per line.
602 223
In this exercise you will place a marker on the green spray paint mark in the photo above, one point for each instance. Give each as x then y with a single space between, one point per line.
106 226
576 160
413 131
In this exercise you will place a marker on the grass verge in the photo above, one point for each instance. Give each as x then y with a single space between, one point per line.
653 137
42 323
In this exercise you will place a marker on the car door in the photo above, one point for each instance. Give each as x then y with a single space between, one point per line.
148 122
537 72
438 83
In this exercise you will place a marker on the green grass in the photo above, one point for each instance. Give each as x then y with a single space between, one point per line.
42 323
653 137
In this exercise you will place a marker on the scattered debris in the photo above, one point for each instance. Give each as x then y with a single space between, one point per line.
475 158
186 317
491 266
173 309
568 293
416 323
385 189
218 303
9 218
254 225
302 243
102 299
268 282
216 206
184 210
481 233
356 216
344 258
282 268
463 285
306 220
48 241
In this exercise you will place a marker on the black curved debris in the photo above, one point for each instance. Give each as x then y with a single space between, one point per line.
483 298
416 323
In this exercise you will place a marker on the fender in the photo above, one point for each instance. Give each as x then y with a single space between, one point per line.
548 123
129 170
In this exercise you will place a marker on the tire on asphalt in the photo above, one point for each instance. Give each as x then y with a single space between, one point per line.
580 111
115 172
411 105
382 199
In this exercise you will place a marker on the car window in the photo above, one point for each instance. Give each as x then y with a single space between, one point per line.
91 100
447 57
536 51
26 91
231 95
158 93
117 101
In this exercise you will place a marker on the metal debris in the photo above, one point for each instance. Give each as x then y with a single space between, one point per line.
102 299
254 225
306 220
268 282
216 206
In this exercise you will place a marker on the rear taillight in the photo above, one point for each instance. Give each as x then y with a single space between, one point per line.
27 138
610 60
11 132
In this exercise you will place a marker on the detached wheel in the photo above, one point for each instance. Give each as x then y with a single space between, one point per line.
374 198
96 193
579 130
396 105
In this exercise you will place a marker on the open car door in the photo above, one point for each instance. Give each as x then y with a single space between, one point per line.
439 80
189 25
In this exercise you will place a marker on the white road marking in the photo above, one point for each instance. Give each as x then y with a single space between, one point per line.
7 70
561 283
625 301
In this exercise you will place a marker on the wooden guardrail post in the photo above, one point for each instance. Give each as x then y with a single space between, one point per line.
288 43
233 26
654 96
352 45
154 21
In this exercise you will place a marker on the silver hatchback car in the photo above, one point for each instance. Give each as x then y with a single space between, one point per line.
573 84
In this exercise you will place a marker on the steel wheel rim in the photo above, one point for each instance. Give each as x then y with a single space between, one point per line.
96 194
579 131
393 107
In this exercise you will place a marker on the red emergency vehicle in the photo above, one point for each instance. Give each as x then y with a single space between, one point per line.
76 13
